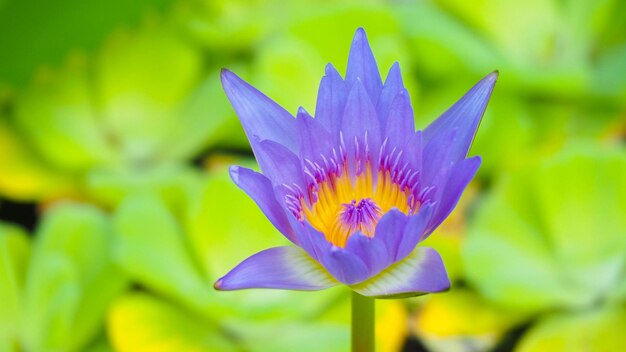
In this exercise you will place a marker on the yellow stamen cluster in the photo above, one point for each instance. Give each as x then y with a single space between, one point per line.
337 191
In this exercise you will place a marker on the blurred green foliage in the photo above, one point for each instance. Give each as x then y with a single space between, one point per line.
113 124
558 225
59 287
32 36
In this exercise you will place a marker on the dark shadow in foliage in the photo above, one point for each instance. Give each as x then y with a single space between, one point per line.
23 214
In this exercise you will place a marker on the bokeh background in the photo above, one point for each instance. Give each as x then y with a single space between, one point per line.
117 213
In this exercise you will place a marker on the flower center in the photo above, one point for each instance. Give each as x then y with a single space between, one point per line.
335 211
342 197
360 217
339 204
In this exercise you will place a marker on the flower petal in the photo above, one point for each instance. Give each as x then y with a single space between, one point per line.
393 86
311 240
362 258
400 125
260 189
345 266
360 128
460 176
362 65
259 115
390 230
331 99
414 231
286 267
313 138
421 272
371 250
415 150
282 166
464 117
437 158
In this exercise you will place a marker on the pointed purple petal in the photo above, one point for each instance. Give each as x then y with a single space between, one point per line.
415 150
390 230
400 125
279 164
260 189
313 138
331 99
438 159
346 267
286 267
362 65
419 273
464 117
460 176
259 115
360 128
393 86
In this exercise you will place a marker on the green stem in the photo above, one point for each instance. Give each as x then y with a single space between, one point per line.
362 323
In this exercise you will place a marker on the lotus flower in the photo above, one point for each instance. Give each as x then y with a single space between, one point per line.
355 188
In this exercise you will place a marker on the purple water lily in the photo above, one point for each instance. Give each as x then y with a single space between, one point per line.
356 188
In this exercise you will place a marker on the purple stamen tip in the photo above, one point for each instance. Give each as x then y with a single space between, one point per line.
361 216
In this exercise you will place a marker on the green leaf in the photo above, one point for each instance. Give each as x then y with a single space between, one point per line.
51 302
506 129
142 79
285 337
205 117
169 181
57 117
446 46
101 345
506 26
24 175
56 28
551 235
70 280
139 322
230 25
225 225
152 248
14 256
555 58
599 330
138 107
7 346
288 70
204 244
610 73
